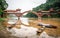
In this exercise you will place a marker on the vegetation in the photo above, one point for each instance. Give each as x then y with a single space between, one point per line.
3 6
30 14
46 6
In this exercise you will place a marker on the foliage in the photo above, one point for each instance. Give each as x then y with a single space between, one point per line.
30 14
3 6
46 6
1 19
49 4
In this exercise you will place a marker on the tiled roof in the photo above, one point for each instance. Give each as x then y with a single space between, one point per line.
12 10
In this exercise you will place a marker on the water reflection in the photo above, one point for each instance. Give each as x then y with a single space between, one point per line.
25 20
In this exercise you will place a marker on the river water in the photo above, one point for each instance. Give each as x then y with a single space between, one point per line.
31 32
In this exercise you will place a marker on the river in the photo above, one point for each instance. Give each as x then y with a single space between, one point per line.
30 31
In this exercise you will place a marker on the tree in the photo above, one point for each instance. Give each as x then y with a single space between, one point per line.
49 4
30 14
3 6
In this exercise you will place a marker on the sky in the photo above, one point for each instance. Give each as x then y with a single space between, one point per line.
24 5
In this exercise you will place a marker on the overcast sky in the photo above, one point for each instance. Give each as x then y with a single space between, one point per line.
24 4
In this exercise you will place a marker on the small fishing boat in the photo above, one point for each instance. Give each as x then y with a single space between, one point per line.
47 25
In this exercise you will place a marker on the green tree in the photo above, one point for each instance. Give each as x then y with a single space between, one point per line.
30 14
46 6
3 6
